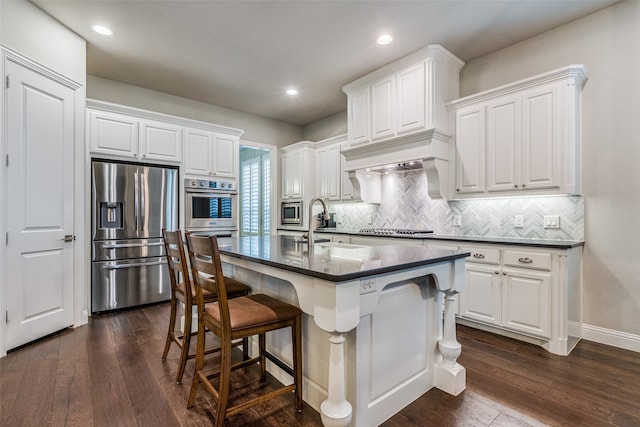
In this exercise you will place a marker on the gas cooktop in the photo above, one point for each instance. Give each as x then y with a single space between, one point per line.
393 231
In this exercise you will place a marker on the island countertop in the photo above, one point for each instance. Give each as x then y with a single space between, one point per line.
332 261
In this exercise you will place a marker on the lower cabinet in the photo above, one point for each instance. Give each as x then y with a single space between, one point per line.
526 293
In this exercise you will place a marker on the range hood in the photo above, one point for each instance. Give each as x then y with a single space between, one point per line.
427 150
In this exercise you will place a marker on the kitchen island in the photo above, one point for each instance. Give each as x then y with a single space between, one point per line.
379 322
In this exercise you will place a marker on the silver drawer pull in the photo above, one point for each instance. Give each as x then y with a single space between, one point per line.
525 260
478 256
131 245
138 264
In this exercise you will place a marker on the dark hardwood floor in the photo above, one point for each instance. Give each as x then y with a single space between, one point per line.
109 373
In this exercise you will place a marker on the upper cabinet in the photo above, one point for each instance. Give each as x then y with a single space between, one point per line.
398 114
332 182
297 171
522 137
211 154
404 97
122 132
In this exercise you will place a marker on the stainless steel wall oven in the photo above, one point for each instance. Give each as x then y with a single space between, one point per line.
210 205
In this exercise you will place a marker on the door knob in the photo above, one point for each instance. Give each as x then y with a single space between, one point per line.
69 238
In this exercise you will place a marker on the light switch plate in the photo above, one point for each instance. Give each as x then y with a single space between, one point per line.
518 221
552 221
367 286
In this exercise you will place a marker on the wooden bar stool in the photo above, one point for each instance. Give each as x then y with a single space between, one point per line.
182 290
232 319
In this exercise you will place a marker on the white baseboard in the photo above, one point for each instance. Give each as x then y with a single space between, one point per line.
611 337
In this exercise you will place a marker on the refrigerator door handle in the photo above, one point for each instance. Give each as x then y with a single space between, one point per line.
131 245
136 202
138 264
143 184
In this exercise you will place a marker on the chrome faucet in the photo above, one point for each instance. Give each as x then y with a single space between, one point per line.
312 221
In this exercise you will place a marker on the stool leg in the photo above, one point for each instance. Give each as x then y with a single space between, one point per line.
199 362
172 327
245 348
186 342
225 382
296 332
263 360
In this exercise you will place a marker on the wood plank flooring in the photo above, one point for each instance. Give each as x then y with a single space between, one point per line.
109 373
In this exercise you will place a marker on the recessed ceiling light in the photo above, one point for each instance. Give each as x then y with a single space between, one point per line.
100 29
292 92
385 39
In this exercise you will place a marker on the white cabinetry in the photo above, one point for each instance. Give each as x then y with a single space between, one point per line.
525 135
120 131
332 182
529 293
121 135
403 97
297 171
212 154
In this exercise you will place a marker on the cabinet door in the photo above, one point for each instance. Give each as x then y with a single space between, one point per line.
503 144
382 109
470 150
358 117
160 141
526 299
481 297
541 124
198 152
225 156
329 173
292 175
114 134
346 190
411 107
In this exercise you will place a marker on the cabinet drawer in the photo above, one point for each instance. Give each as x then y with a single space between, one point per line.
483 255
535 260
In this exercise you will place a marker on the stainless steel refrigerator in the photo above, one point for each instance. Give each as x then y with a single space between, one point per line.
131 203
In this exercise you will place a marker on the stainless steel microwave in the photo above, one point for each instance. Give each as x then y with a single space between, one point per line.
291 213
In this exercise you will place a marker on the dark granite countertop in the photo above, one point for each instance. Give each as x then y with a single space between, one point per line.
332 261
517 241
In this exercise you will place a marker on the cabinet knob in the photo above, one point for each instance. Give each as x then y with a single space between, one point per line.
516 185
524 185
497 272
457 189
478 256
525 260
504 273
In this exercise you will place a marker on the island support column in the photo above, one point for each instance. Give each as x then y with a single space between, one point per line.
449 375
336 411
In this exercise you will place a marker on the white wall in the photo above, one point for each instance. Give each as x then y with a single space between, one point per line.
29 31
256 128
333 125
608 43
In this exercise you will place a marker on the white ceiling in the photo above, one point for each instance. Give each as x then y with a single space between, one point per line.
243 54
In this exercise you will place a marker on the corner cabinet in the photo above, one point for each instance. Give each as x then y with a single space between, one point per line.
403 97
522 137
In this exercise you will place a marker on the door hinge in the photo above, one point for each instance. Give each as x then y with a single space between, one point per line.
7 159
6 316
8 81
6 238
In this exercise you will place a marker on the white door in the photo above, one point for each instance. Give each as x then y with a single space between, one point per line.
40 125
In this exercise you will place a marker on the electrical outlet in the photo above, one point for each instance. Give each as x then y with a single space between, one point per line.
369 219
518 221
367 286
552 221
457 220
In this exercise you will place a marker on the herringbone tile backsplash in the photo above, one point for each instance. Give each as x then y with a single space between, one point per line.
406 204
